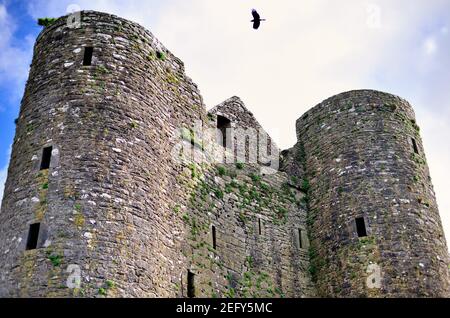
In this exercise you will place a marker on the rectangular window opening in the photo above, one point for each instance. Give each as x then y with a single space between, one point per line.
259 226
361 227
88 52
46 158
300 239
415 147
223 125
214 241
33 236
191 285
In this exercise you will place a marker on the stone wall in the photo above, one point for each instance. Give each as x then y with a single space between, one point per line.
106 201
122 203
360 160
115 200
261 247
248 141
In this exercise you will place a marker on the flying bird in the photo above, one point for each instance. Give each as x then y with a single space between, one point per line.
256 19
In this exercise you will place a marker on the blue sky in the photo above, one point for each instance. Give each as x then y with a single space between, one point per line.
18 35
307 51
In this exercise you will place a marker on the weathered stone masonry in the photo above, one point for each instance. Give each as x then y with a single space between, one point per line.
111 184
364 158
139 222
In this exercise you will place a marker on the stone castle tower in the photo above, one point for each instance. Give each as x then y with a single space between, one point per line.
101 200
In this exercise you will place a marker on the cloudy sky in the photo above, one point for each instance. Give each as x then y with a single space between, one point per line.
307 51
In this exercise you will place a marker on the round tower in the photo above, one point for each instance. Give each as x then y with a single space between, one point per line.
88 202
373 219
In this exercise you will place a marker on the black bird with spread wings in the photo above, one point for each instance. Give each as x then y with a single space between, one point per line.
256 19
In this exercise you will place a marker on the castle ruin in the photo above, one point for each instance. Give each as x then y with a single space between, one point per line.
98 204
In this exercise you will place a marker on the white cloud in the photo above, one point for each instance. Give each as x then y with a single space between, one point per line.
307 51
430 46
14 61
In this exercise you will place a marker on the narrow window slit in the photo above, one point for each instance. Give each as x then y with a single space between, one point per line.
247 148
88 52
259 226
191 285
214 240
33 236
415 147
361 227
46 158
300 241
269 147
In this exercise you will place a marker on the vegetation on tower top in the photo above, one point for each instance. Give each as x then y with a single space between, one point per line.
45 22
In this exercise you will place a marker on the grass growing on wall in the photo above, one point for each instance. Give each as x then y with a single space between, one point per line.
46 22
